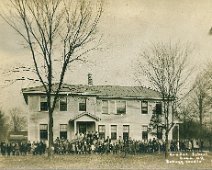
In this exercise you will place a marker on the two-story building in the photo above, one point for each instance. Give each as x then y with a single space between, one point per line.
112 111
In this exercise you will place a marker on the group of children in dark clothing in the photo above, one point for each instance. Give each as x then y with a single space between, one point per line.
87 144
22 148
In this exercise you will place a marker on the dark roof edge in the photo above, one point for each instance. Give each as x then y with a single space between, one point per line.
65 84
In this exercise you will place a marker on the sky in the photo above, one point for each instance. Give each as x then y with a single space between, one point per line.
128 27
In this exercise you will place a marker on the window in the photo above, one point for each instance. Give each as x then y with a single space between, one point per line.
63 131
105 106
121 107
144 107
63 103
126 130
101 131
82 105
113 132
112 107
43 103
145 132
158 108
43 131
159 132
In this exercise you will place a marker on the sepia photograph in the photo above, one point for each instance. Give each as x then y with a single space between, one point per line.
106 84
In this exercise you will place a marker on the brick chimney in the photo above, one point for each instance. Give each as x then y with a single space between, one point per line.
90 80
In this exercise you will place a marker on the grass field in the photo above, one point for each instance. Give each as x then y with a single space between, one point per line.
94 161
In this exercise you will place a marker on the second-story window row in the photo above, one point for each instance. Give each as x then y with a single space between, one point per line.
121 107
63 103
105 106
144 107
43 103
82 104
158 108
116 107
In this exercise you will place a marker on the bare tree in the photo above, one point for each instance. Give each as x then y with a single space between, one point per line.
165 68
200 96
3 126
57 32
18 120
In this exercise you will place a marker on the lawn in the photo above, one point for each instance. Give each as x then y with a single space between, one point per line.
110 161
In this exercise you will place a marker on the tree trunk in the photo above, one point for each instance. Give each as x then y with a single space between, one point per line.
201 125
166 144
50 135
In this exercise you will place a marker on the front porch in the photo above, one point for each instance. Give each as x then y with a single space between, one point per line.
84 123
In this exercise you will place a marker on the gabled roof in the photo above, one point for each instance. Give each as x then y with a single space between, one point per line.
85 114
101 91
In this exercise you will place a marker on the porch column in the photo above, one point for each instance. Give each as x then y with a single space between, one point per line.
178 136
96 126
75 127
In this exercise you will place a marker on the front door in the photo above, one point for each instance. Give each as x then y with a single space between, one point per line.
86 127
82 128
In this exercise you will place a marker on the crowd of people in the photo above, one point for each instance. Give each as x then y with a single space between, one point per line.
91 143
22 148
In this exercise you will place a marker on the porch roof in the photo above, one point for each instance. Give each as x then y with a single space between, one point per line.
85 114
